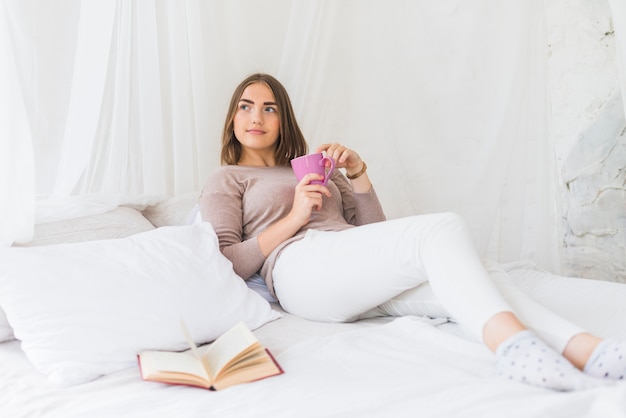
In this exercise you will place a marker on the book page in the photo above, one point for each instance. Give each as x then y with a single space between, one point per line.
155 362
187 335
260 365
228 346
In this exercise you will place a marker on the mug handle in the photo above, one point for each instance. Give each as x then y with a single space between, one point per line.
330 170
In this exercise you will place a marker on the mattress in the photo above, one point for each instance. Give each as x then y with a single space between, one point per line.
378 367
381 366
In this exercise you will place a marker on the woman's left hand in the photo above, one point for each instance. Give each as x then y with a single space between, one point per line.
344 157
352 162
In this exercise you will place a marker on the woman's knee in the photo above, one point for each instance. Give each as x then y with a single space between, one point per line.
448 221
452 218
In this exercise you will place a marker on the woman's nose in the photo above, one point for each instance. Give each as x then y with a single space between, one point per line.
257 117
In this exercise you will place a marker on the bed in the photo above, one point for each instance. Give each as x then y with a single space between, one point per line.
379 366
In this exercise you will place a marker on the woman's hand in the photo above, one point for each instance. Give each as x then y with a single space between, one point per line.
344 157
307 198
352 162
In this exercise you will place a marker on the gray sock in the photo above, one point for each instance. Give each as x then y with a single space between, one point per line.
526 358
608 360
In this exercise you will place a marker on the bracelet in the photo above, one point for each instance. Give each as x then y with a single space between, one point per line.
359 174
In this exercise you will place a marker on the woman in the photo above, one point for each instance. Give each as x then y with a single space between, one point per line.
328 254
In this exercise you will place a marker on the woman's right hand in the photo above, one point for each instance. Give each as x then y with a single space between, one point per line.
307 198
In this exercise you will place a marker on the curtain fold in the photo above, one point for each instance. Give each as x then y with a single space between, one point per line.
17 169
153 114
87 91
446 101
448 115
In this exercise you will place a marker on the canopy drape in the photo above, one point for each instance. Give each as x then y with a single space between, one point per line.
446 101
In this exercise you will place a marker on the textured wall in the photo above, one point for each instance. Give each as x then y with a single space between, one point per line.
589 133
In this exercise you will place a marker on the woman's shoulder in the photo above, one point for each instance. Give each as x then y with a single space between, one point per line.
223 178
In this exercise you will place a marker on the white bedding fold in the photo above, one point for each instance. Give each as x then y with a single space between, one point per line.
372 369
378 367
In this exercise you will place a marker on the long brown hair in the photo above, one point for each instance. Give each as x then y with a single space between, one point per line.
291 142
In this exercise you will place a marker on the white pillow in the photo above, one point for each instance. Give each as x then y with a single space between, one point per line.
172 211
83 310
6 332
116 223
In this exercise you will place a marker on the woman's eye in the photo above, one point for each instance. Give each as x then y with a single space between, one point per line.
244 107
270 109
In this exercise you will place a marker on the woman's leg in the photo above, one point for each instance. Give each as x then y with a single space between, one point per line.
598 357
336 276
557 331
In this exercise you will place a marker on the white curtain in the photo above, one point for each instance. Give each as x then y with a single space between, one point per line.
446 101
17 171
87 92
134 66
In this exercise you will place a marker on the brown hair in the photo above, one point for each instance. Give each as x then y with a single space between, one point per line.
291 142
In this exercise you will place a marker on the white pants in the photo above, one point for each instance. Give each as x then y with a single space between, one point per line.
392 265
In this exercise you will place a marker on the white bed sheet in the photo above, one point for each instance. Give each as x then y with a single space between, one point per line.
380 367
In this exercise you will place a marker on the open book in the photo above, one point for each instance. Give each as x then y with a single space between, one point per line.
233 358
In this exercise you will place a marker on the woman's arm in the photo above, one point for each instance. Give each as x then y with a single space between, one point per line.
222 205
352 162
358 208
361 204
223 210
307 198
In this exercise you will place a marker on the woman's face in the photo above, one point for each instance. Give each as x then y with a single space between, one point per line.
256 122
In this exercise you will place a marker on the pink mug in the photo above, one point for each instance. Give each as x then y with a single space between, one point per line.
313 163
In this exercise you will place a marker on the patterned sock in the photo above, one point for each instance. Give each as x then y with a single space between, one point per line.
608 360
527 359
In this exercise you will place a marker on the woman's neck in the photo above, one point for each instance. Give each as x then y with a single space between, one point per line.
257 160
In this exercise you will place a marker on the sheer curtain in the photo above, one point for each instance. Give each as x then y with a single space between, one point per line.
446 101
17 175
129 74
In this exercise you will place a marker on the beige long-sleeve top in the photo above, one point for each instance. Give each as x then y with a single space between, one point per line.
241 202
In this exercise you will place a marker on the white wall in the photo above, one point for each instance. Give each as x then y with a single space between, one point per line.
588 131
